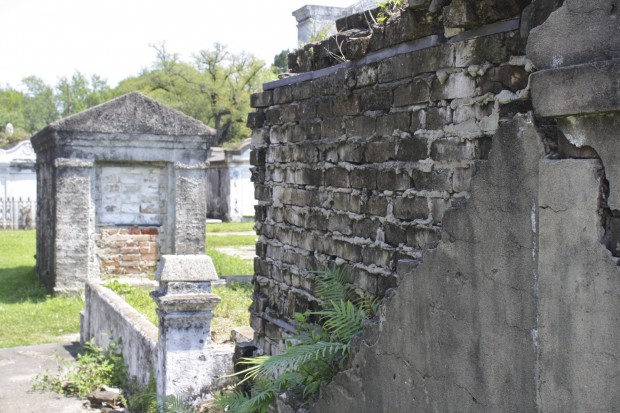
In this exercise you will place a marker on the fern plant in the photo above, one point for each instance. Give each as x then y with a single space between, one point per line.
320 350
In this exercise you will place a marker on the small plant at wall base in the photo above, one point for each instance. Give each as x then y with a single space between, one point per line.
322 349
95 367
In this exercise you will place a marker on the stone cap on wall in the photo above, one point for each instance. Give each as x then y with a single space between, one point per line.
193 268
132 113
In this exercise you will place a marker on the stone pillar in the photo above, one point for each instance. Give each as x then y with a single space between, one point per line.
190 208
311 20
74 225
185 362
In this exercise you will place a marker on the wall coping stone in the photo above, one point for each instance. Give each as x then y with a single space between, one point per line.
402 48
194 268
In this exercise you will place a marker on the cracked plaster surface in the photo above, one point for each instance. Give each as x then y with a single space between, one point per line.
463 319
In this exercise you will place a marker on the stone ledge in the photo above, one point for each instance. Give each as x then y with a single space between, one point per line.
581 89
396 50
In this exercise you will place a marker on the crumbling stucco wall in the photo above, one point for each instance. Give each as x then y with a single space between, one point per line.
513 305
358 165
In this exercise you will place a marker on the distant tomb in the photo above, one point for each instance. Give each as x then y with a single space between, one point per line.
18 189
118 185
230 191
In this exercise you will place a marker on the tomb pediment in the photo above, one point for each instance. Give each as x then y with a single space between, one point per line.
132 113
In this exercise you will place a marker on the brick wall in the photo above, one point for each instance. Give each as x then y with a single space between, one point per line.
357 167
128 250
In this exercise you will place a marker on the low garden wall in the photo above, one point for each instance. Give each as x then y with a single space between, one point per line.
107 317
180 351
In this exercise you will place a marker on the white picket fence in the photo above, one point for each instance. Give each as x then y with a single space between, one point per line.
17 213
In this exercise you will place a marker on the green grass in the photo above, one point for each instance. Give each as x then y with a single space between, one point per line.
231 312
226 265
214 241
231 227
28 315
136 297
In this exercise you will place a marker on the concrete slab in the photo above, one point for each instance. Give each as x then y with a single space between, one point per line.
19 366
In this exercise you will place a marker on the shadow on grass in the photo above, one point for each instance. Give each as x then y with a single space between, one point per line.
21 284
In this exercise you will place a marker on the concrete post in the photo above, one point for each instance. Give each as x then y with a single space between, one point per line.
185 361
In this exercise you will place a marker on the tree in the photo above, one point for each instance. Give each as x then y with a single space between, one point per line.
215 88
11 111
79 93
39 107
280 61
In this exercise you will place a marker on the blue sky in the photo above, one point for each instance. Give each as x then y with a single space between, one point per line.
111 38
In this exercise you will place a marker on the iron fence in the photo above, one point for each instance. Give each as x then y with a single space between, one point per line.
17 213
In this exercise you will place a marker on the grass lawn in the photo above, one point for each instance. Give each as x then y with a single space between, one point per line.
225 264
231 312
28 315
230 227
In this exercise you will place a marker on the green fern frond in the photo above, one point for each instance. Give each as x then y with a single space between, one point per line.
270 367
332 284
368 303
343 320
315 354
239 402
175 404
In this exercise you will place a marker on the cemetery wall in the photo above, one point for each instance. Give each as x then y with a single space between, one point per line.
357 166
462 163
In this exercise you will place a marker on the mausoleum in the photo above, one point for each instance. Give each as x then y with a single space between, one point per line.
118 185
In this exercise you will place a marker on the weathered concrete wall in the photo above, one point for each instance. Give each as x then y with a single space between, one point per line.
46 234
579 331
313 20
511 305
107 318
577 50
459 333
179 352
131 194
74 246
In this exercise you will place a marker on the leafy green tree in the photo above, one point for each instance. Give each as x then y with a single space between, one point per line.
39 106
11 111
215 88
79 93
280 61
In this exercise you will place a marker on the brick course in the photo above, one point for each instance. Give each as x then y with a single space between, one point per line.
361 165
128 250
